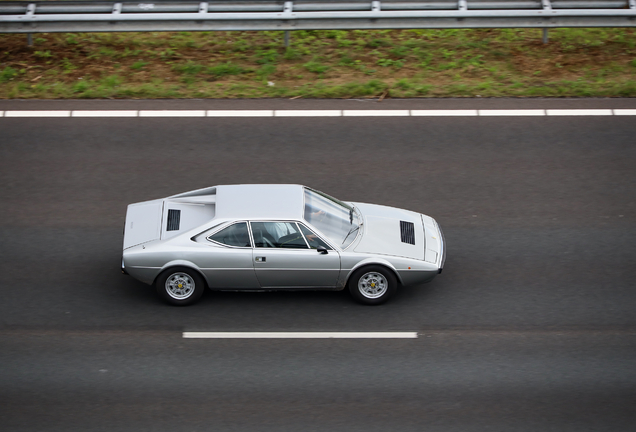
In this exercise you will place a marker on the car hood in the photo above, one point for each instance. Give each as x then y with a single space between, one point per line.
382 231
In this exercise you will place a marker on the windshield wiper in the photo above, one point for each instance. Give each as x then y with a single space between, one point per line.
352 230
351 216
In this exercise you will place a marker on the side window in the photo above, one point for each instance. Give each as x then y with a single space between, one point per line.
314 241
234 235
277 235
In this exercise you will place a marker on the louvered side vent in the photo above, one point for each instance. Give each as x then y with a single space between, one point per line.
174 217
407 231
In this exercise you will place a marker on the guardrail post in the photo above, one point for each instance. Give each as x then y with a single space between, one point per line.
288 7
547 6
30 11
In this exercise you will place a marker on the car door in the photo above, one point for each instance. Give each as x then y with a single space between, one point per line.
283 257
227 263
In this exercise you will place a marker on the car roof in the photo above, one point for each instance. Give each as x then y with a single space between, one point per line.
260 201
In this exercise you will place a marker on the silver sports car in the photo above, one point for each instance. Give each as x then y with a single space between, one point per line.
274 237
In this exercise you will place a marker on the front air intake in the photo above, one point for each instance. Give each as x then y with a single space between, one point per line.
407 232
174 217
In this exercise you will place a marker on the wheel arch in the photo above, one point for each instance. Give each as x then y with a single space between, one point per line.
182 263
371 262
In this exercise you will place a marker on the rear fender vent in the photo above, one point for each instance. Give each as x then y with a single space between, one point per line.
407 231
174 217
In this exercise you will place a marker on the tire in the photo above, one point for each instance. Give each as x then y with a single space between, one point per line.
180 286
372 285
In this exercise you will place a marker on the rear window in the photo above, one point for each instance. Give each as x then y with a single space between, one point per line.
235 235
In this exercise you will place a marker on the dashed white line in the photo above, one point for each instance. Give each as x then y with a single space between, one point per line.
37 114
528 112
241 113
376 113
300 335
307 113
625 112
129 113
172 113
443 113
579 112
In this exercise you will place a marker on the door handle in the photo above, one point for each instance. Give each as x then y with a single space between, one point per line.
260 259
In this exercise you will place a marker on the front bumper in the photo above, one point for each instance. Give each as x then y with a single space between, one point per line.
443 243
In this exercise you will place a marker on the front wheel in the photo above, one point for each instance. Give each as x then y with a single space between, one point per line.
372 285
180 286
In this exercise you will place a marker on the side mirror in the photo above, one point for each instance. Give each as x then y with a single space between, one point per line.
322 250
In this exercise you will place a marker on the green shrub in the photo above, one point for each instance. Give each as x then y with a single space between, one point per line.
267 57
138 65
386 62
7 74
111 81
223 69
189 68
376 43
292 54
266 70
43 54
81 87
316 67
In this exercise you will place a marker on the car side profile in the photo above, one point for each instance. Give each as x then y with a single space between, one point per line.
277 237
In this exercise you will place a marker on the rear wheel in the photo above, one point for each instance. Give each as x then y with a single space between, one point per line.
372 285
180 286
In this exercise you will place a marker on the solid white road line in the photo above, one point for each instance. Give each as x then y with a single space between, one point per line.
300 335
37 114
241 113
625 112
529 112
579 112
375 113
172 113
307 113
319 113
443 113
104 113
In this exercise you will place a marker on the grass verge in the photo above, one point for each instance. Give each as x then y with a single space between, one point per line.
321 64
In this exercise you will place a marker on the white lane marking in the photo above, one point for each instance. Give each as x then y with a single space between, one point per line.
528 112
443 113
37 114
172 113
129 113
625 112
307 113
375 113
241 113
318 113
579 112
300 335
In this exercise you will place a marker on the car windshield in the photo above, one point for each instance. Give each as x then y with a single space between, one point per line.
332 217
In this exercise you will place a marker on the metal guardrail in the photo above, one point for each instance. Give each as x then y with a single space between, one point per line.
102 16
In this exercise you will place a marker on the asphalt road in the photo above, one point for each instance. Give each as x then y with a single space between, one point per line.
531 327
